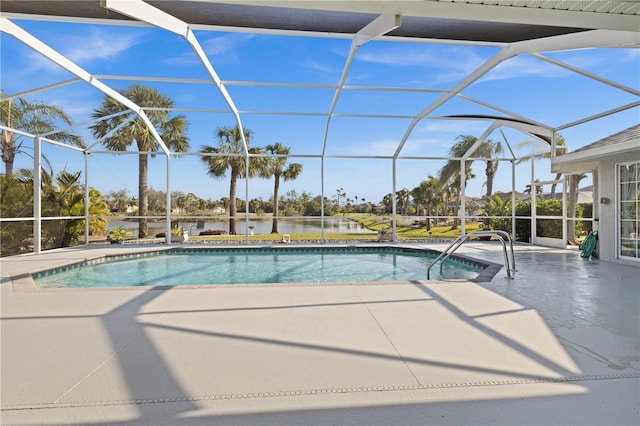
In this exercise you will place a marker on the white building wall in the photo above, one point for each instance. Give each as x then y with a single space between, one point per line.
608 213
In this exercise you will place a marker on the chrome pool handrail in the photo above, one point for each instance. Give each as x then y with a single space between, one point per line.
500 235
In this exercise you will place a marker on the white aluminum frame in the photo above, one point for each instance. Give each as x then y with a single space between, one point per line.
608 31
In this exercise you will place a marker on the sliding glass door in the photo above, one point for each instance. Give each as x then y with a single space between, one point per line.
629 207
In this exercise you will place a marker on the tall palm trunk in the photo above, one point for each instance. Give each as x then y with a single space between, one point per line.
458 203
554 185
8 152
276 209
143 195
490 172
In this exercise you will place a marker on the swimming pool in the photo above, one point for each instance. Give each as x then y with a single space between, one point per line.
216 266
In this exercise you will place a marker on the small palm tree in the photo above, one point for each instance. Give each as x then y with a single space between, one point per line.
37 118
450 174
426 194
278 168
527 189
63 195
172 130
402 198
490 149
230 155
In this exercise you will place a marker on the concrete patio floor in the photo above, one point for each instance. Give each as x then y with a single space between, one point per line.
559 344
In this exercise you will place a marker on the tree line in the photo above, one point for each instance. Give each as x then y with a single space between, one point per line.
118 128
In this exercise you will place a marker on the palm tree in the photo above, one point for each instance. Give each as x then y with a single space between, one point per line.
278 168
489 149
230 155
426 194
402 198
560 141
340 193
63 195
449 174
387 201
36 118
527 189
171 129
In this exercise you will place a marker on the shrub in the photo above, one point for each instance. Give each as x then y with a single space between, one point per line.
212 232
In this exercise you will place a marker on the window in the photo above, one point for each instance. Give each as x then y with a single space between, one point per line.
629 222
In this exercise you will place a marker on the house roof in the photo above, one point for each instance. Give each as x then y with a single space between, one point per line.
505 21
587 157
632 134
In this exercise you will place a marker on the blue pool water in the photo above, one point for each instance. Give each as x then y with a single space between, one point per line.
254 266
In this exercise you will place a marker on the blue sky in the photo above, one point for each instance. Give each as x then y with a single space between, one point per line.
524 85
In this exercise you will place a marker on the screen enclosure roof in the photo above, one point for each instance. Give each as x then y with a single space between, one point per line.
496 32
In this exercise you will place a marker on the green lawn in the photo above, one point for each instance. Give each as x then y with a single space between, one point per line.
373 223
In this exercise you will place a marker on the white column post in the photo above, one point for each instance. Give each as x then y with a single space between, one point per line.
463 206
322 199
86 197
167 228
393 199
567 180
513 199
37 195
246 200
534 189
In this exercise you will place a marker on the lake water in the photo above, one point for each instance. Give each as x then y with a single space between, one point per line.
285 226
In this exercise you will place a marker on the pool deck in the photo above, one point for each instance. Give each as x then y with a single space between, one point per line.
558 344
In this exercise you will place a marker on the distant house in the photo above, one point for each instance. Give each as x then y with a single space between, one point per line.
585 195
506 196
615 164
129 208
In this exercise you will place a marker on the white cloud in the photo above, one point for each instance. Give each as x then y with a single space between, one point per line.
98 44
382 147
218 49
525 66
319 66
81 49
226 46
451 63
36 62
632 55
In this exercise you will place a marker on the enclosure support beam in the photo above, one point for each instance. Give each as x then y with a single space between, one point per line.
394 201
461 197
479 141
86 197
498 58
167 228
513 199
533 193
13 30
37 195
379 26
567 180
147 13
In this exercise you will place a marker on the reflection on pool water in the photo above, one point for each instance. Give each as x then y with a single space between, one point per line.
255 266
